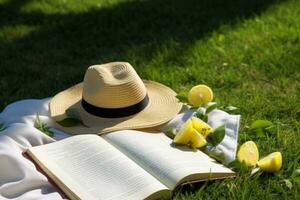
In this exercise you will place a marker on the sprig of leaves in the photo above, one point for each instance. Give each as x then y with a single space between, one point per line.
229 109
43 127
261 124
203 111
183 97
260 128
72 119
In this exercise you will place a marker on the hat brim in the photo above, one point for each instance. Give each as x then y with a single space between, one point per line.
163 105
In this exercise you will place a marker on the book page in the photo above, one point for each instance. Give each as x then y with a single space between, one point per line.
87 167
170 164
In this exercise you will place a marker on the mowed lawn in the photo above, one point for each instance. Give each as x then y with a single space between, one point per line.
247 51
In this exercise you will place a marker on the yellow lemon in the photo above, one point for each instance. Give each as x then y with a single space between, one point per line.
271 163
185 133
197 140
190 136
201 126
199 95
248 153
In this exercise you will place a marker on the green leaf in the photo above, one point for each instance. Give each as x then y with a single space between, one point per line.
217 136
42 126
201 111
261 124
69 122
201 114
171 133
210 107
183 97
37 121
230 109
238 166
205 118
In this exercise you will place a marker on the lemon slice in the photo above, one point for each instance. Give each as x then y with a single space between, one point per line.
185 133
248 153
271 163
199 95
201 126
197 140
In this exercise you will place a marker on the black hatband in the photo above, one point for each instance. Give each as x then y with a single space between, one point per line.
115 112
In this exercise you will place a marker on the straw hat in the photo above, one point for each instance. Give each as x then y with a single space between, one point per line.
113 97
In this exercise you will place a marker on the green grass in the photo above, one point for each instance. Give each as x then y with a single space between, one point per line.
247 51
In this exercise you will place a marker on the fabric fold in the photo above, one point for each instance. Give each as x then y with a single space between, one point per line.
19 178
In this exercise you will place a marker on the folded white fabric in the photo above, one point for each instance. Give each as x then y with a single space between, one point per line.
19 178
226 150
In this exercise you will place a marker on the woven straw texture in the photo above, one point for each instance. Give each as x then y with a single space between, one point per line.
120 88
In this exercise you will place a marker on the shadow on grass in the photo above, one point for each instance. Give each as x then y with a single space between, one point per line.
57 53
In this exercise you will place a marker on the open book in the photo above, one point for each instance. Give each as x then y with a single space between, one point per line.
123 165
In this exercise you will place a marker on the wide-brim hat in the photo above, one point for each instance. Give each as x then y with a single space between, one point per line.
113 97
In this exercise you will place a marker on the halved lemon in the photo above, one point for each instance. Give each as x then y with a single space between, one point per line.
199 95
201 126
271 163
185 133
248 153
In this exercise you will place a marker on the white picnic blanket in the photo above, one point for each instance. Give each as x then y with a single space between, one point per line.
19 178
